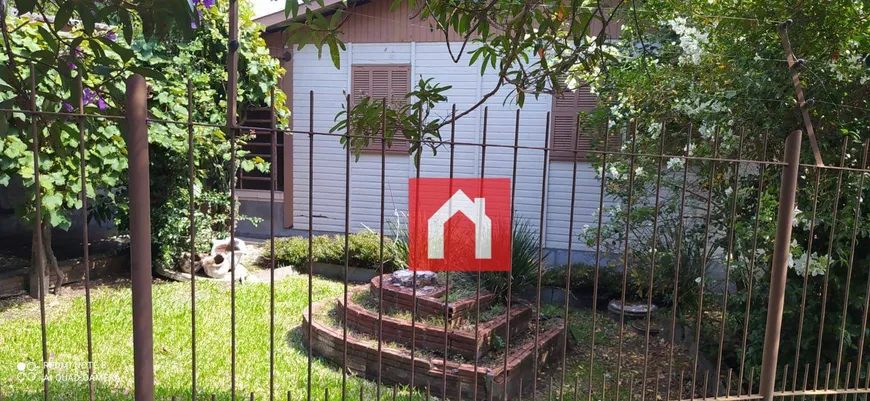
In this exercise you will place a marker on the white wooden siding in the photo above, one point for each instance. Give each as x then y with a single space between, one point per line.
427 60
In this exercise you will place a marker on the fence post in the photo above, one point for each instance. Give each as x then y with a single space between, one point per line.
140 237
781 249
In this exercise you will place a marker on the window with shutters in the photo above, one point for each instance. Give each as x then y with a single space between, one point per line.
564 129
390 82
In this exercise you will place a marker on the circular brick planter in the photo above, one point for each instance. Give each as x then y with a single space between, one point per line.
459 342
402 298
397 366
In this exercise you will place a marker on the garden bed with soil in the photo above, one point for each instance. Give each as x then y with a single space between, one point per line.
427 367
429 332
106 257
430 303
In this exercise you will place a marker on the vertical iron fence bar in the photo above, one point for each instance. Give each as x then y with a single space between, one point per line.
859 201
806 378
550 389
310 236
232 112
863 332
477 292
728 383
598 256
570 250
37 226
140 237
728 258
346 248
541 253
682 383
828 265
507 332
418 157
806 278
866 311
602 190
848 378
751 377
232 247
447 273
85 234
762 171
625 268
704 263
273 183
776 299
827 380
678 266
381 246
706 382
655 227
191 211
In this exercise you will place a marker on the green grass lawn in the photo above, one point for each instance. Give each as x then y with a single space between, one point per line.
20 342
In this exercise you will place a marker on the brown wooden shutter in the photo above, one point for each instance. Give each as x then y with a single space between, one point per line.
564 128
390 82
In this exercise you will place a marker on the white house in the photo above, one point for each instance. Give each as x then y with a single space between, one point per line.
386 52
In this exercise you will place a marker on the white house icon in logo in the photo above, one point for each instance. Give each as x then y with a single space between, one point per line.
474 211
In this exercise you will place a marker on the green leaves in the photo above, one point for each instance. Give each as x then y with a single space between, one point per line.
63 15
148 73
291 8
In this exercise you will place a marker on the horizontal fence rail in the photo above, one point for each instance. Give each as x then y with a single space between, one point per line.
682 230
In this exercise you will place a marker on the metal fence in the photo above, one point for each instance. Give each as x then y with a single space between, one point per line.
542 371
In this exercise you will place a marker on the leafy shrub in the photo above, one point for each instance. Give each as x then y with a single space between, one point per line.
196 60
583 279
364 251
525 258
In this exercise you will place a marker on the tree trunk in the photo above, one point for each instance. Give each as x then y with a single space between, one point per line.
37 267
60 277
40 258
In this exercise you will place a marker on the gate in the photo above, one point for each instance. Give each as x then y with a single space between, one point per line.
555 357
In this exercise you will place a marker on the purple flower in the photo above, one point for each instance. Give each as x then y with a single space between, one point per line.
111 35
73 56
192 24
68 107
90 96
208 3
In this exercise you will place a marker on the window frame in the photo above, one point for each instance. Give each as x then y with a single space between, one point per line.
400 145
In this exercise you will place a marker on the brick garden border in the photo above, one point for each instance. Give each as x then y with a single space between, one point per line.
431 337
429 305
362 359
